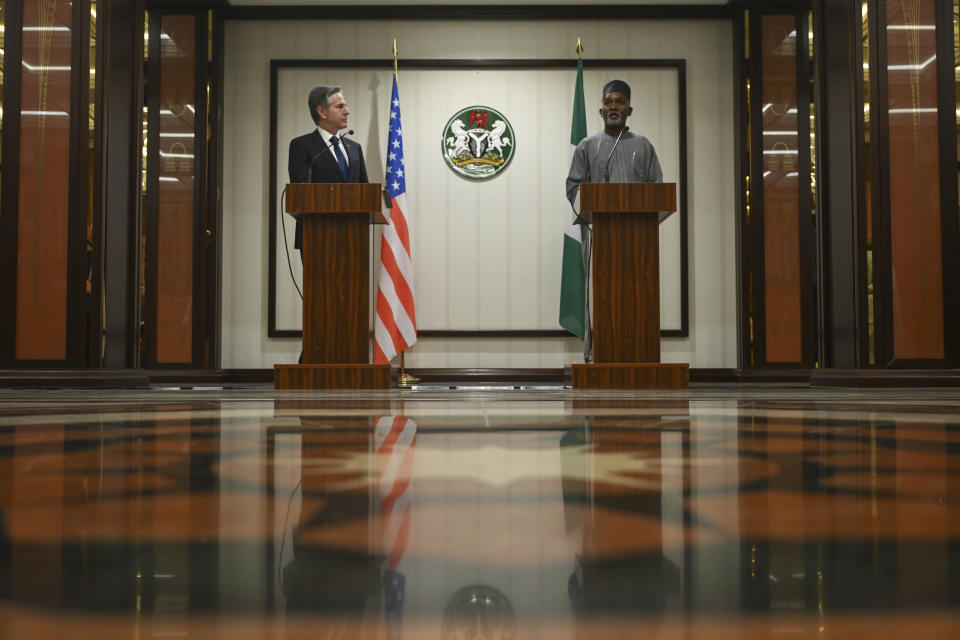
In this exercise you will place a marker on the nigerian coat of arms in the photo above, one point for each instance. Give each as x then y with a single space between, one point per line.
478 142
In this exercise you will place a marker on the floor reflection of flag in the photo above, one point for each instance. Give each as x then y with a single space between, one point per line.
394 440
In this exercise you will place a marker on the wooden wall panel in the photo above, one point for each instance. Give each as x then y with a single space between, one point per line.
916 259
176 186
783 313
44 183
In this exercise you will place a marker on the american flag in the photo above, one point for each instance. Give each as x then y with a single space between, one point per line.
395 327
394 440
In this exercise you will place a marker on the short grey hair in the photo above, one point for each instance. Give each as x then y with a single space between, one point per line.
320 97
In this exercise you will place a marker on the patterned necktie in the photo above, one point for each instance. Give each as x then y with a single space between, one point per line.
341 159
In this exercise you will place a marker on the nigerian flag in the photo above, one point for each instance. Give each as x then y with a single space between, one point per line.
572 283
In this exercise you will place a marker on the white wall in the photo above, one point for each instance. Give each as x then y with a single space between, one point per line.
480 270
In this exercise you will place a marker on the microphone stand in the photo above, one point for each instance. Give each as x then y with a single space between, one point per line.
606 169
348 132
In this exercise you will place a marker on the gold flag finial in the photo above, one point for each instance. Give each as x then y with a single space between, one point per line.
394 56
579 48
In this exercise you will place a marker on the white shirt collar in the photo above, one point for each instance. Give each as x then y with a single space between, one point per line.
328 139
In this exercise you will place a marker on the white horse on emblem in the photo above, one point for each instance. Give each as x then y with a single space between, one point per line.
497 140
457 143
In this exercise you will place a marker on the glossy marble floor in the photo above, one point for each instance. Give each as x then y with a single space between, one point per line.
718 512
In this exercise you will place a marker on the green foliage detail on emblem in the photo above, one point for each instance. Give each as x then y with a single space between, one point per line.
478 142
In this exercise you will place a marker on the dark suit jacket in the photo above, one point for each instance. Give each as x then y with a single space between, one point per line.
324 166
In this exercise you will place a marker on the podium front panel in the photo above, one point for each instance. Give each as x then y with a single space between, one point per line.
336 288
626 286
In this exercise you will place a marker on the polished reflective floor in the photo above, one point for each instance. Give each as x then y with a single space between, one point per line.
714 512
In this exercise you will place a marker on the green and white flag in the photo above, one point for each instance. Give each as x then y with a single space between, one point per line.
572 284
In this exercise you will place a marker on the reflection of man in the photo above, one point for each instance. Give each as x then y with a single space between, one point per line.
322 156
613 155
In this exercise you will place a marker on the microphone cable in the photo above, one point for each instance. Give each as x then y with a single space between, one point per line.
286 247
283 537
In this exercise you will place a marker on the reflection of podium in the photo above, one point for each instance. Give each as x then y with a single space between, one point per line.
336 287
626 286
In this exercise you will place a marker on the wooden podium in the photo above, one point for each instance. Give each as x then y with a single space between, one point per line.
336 221
626 286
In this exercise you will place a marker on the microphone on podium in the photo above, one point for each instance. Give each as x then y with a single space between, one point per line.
348 132
606 169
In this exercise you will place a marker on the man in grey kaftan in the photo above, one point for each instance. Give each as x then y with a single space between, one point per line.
612 155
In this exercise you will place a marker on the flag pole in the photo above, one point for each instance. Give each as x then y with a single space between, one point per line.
405 379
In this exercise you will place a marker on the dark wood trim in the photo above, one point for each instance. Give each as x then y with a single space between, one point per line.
684 211
120 85
714 375
199 292
512 333
769 375
214 212
885 378
755 244
880 200
478 63
499 334
210 376
742 156
73 378
949 205
807 223
273 207
915 363
472 13
780 6
491 375
95 310
498 375
13 56
142 378
151 213
200 288
840 176
429 375
863 377
187 6
273 211
78 183
249 376
861 221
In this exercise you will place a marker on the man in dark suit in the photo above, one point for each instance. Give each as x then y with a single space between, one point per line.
322 156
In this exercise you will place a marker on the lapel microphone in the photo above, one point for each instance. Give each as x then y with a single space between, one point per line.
348 132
